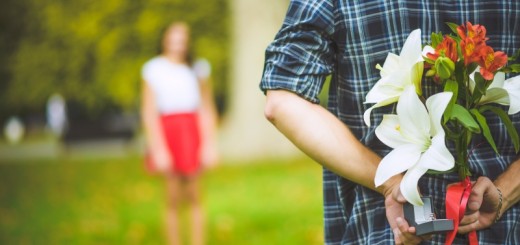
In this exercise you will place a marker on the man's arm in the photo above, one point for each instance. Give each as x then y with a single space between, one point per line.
323 137
484 199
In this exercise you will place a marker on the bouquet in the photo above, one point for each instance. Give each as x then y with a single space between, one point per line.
472 77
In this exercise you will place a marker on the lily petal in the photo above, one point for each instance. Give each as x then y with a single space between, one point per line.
512 86
388 131
416 76
411 52
391 64
397 161
384 89
495 95
414 119
437 157
366 115
427 49
409 185
436 105
498 80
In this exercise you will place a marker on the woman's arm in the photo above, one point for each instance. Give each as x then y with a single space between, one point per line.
155 141
208 126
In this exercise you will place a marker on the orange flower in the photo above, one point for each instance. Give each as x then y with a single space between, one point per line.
475 32
490 61
469 51
473 39
447 48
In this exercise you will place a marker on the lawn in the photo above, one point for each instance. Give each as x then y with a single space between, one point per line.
113 201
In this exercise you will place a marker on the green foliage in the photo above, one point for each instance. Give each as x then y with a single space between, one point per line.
463 116
436 39
453 27
92 51
485 128
511 130
113 201
450 86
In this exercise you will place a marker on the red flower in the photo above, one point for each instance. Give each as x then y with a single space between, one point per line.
490 61
473 40
475 32
469 51
447 48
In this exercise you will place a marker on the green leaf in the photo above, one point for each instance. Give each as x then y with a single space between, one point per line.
480 83
451 86
472 67
453 27
485 128
514 56
511 130
514 68
430 171
462 115
436 39
459 74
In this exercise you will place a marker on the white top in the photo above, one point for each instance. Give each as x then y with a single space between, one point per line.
176 86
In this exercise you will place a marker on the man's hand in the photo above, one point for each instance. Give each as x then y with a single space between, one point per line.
482 206
394 200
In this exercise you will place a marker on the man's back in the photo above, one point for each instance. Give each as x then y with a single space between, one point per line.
347 39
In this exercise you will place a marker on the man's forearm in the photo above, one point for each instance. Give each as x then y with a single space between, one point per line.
323 137
509 183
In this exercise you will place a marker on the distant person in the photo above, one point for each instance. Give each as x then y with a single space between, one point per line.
56 114
179 121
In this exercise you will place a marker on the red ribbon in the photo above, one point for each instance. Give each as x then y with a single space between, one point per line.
457 197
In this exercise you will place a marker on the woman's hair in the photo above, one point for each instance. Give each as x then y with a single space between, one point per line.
165 30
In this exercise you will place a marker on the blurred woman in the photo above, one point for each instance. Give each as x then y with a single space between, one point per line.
179 121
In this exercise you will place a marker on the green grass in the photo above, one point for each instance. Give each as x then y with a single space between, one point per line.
114 201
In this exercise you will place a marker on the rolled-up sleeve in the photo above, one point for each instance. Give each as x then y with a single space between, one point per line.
303 52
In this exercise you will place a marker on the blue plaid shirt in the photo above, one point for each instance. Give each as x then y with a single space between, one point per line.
347 39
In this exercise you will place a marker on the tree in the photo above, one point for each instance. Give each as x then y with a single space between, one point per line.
91 52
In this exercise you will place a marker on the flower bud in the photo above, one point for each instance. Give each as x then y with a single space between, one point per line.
431 72
445 67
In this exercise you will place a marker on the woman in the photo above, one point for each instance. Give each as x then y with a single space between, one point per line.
179 121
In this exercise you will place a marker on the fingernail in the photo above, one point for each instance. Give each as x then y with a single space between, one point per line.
399 220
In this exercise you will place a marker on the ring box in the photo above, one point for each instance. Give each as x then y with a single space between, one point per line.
424 220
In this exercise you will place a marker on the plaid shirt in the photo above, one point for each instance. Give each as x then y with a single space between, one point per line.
347 39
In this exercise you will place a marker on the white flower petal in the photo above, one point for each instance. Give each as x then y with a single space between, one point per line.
366 115
411 52
498 80
437 157
427 49
413 117
397 161
512 86
495 95
383 90
409 185
388 131
436 105
391 64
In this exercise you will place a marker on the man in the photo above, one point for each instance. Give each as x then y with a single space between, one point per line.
346 39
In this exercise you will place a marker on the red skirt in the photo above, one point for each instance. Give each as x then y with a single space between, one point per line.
181 132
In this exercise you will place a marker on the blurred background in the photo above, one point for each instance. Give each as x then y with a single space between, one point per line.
71 151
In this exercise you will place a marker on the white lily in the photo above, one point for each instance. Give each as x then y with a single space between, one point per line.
417 136
501 91
397 73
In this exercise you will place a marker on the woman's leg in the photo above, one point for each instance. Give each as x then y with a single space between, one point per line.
193 198
173 188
